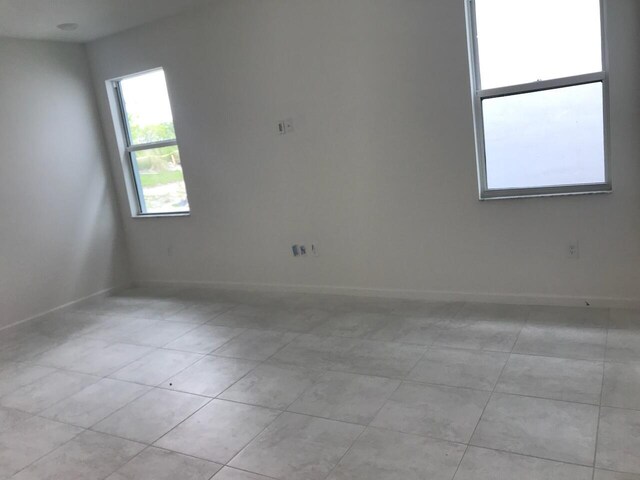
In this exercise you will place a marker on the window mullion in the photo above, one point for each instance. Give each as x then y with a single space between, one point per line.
151 145
542 85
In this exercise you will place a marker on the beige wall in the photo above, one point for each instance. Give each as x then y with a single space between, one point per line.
60 234
380 170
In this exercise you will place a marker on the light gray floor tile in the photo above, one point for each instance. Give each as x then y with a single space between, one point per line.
384 455
460 368
483 464
346 397
118 329
149 417
297 447
493 335
16 375
26 347
90 456
359 339
569 316
493 312
63 325
608 475
107 306
9 418
210 376
228 473
418 308
255 344
156 367
353 324
104 361
441 412
619 440
270 319
353 355
274 386
623 344
199 313
555 378
622 385
48 390
29 440
157 464
624 318
68 354
160 333
205 339
218 431
562 341
236 319
95 402
412 330
159 309
544 428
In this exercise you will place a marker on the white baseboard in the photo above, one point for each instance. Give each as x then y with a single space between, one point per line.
425 295
101 293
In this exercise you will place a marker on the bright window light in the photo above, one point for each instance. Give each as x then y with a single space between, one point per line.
151 144
540 96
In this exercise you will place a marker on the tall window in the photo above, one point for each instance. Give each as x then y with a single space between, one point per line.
540 96
151 144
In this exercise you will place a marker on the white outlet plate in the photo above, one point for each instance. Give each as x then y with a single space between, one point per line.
573 251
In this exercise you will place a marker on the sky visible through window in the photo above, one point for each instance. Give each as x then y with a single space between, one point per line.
546 138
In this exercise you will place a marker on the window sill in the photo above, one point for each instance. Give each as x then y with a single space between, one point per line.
519 196
161 215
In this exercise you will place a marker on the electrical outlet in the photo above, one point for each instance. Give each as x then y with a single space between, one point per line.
285 126
573 251
303 250
296 250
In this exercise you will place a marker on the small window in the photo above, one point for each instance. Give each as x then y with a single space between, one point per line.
540 96
151 144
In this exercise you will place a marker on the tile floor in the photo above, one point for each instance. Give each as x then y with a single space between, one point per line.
165 384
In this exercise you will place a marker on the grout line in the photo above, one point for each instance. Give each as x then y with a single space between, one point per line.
228 463
595 447
499 450
364 429
83 430
490 397
481 415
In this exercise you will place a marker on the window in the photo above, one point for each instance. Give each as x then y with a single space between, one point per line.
151 144
540 96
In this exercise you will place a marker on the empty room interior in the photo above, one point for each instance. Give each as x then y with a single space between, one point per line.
319 239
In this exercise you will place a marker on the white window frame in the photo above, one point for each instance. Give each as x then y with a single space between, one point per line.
478 95
130 149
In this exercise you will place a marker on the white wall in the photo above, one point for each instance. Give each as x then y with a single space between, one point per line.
60 233
380 169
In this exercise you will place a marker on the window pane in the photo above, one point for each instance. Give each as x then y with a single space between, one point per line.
161 180
548 138
147 106
523 41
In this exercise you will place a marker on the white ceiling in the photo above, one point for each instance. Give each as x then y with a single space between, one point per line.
37 19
